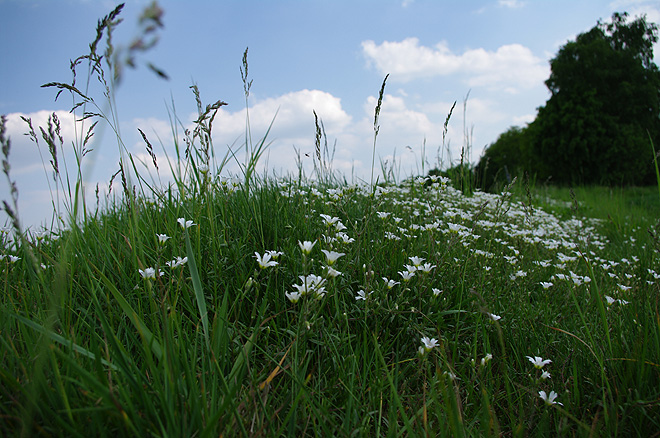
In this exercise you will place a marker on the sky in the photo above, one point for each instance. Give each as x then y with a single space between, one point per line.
329 57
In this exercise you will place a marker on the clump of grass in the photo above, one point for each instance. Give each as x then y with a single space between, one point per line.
271 307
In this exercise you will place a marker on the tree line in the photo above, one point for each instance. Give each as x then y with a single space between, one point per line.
601 120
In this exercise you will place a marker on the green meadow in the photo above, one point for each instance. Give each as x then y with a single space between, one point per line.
306 306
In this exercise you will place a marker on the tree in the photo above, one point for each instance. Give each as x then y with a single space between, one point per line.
504 159
604 103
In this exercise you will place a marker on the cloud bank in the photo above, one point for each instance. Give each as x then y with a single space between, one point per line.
511 67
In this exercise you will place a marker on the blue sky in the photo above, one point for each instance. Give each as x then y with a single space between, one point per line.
327 56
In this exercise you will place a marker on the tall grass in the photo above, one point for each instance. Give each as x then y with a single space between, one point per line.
283 307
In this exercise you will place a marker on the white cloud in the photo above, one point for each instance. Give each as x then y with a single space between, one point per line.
513 4
23 151
292 118
511 67
409 128
291 111
638 8
523 120
395 116
30 166
400 126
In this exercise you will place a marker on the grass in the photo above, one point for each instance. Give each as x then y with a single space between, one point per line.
135 322
625 213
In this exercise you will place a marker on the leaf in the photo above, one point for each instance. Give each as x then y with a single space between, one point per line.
199 292
141 327
60 339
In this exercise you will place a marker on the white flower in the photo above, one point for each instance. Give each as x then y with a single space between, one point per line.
382 215
546 284
538 361
306 246
311 283
610 300
150 273
486 359
184 223
41 234
333 272
391 236
436 291
390 283
329 220
162 238
274 254
332 256
416 260
494 317
549 399
545 375
293 296
429 343
426 267
339 226
406 275
178 261
362 295
455 228
344 238
265 260
520 273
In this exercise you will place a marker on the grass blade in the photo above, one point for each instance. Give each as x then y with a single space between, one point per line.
141 327
59 339
199 292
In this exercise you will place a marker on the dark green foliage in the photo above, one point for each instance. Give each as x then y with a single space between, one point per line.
605 97
603 109
505 159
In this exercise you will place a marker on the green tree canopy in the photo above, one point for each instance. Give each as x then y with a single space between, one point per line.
504 159
604 103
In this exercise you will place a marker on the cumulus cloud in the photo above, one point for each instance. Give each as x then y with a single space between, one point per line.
396 116
290 111
511 67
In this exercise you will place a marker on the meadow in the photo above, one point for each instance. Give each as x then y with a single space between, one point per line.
305 306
